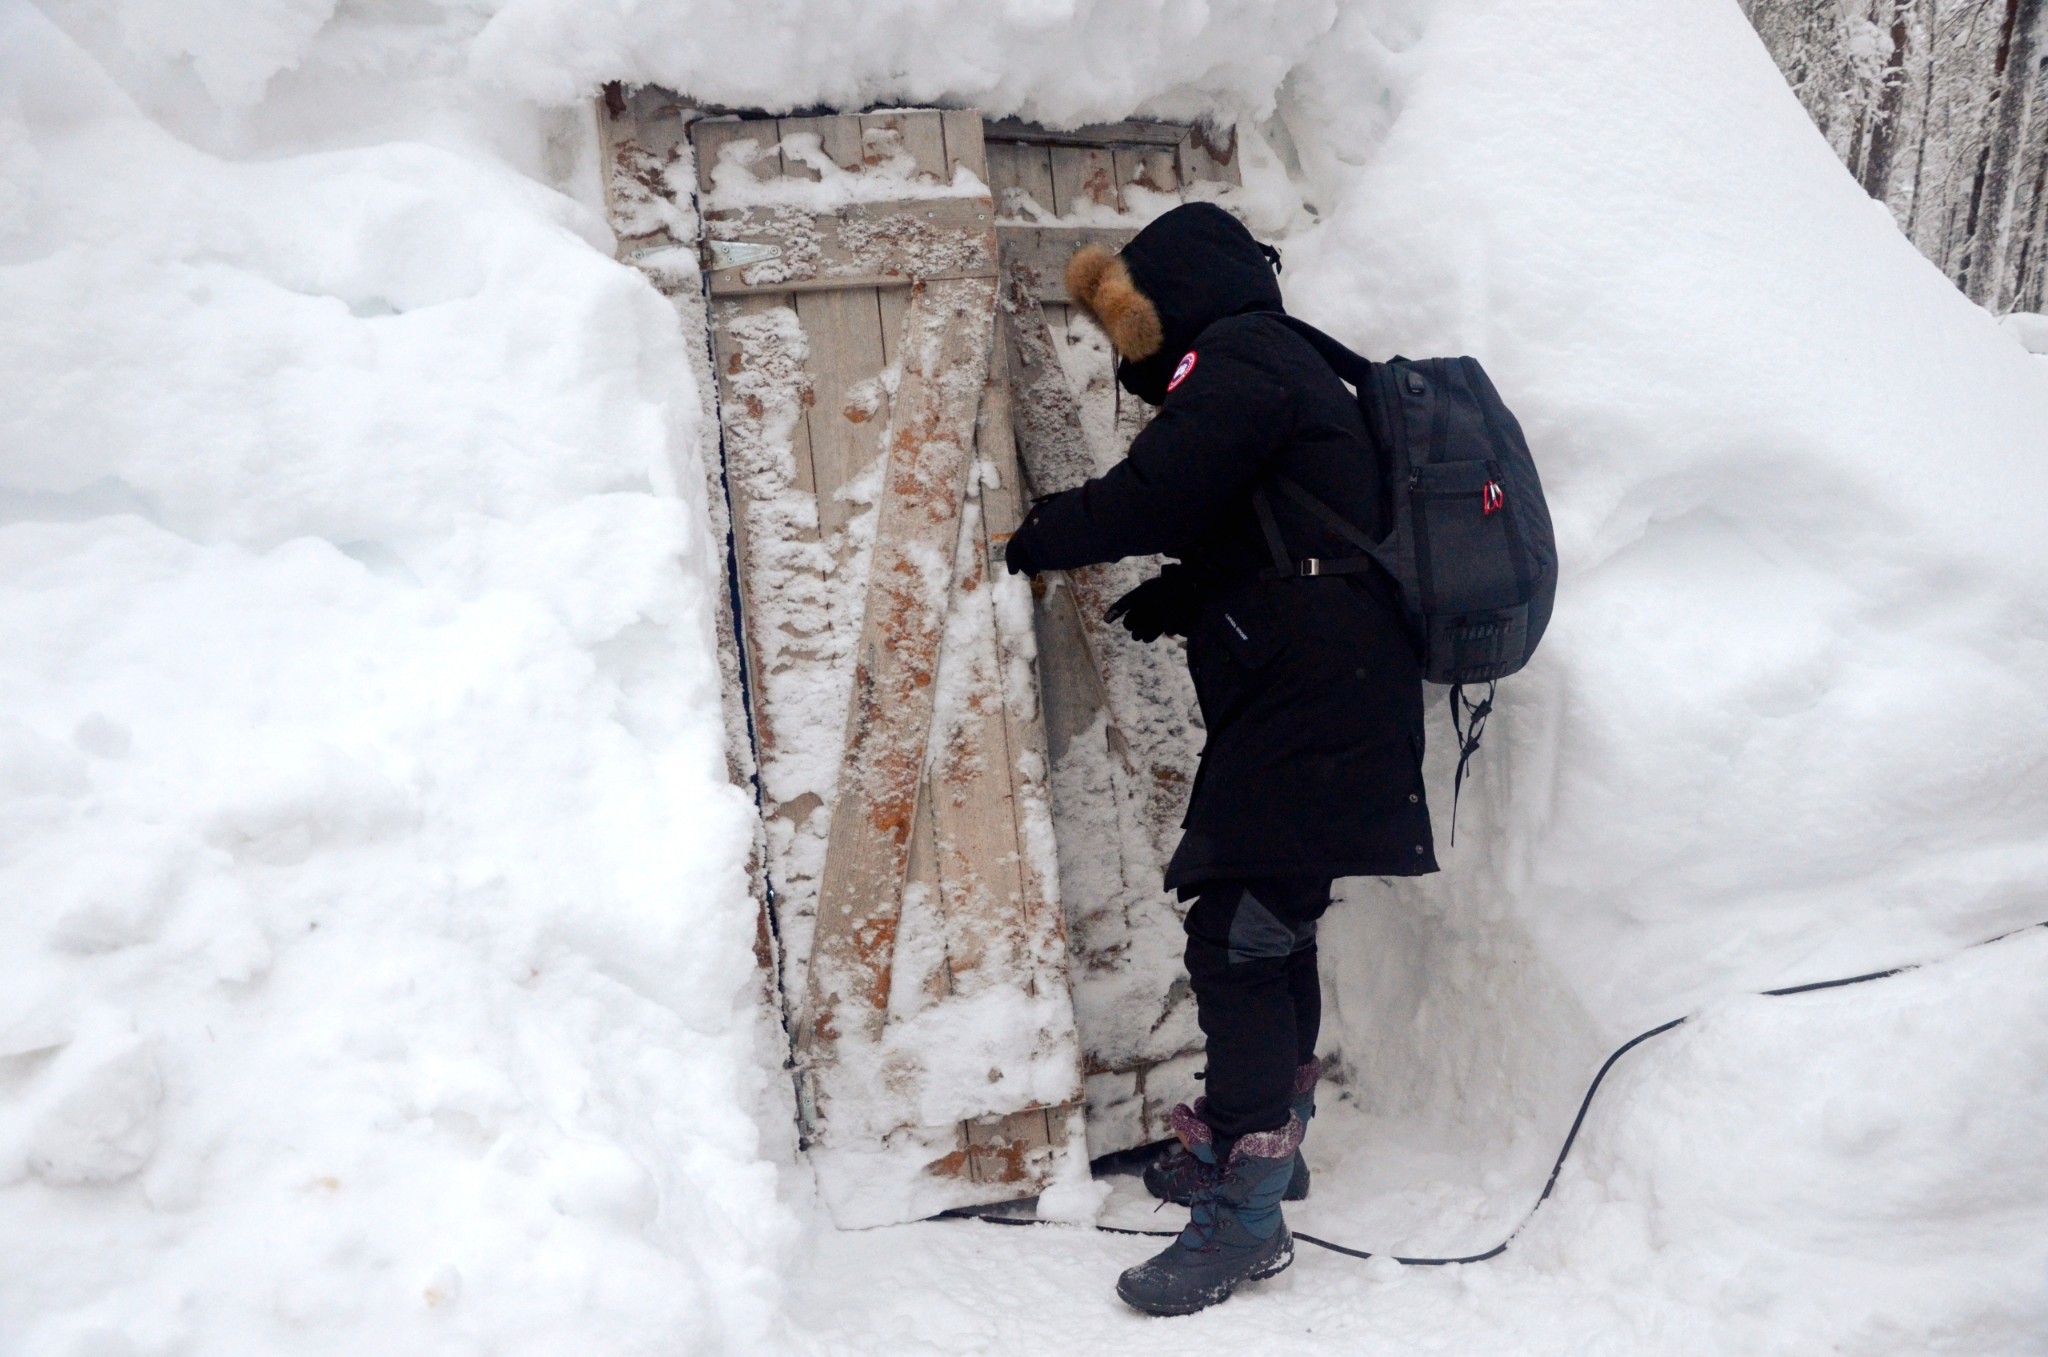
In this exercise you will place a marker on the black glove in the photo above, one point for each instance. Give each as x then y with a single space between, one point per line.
1165 605
1017 556
1017 551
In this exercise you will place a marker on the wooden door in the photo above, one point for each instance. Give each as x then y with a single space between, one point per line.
850 267
946 862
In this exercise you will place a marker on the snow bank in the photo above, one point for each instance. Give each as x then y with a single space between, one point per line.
1776 731
375 973
1060 61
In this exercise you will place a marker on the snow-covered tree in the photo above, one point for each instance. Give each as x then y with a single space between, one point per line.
1936 106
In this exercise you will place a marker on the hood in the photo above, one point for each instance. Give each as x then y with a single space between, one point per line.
1187 270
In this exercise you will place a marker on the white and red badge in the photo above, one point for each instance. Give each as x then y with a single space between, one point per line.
1180 374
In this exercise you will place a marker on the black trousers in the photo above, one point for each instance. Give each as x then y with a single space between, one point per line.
1252 957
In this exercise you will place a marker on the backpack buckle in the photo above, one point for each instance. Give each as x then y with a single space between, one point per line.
1309 568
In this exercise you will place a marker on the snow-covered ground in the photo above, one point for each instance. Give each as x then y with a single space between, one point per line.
375 966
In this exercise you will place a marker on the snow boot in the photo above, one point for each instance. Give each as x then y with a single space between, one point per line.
1235 1233
1173 1175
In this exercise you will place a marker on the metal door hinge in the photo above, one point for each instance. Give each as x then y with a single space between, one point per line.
733 254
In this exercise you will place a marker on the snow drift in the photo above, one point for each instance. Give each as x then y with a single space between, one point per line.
375 969
376 920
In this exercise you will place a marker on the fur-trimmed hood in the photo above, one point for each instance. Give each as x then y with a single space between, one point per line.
1187 270
1100 284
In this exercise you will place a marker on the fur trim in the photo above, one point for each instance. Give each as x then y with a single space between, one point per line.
1100 284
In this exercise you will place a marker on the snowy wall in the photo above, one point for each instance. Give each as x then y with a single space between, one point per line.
375 967
1797 480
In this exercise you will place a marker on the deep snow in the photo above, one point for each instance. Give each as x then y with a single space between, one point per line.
375 970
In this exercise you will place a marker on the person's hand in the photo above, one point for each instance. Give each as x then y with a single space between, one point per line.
1017 551
1017 556
1165 605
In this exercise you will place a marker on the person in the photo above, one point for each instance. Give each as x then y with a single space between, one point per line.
1309 686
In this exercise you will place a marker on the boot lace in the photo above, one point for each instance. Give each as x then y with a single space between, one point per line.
1204 1220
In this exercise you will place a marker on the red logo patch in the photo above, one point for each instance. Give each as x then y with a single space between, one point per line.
1180 374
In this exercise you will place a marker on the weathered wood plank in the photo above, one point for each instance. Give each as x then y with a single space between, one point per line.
965 150
1089 362
1084 180
1053 454
1132 133
1004 169
920 976
1020 177
1039 254
920 132
948 332
651 212
972 788
1154 169
991 801
1209 155
838 137
712 136
1004 503
865 245
850 406
1013 1149
895 305
761 369
759 355
1052 443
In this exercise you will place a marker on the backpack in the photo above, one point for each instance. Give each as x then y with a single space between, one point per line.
1470 546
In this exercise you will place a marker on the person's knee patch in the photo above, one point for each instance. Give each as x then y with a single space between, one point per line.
1258 934
1237 929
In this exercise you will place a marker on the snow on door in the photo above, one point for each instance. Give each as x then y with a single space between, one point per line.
885 339
894 704
1121 721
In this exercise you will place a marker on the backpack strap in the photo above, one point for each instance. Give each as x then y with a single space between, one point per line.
1348 365
1329 517
1468 739
1285 566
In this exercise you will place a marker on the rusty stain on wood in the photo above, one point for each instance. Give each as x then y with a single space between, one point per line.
948 331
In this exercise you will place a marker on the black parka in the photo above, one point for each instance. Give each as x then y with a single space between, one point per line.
1309 687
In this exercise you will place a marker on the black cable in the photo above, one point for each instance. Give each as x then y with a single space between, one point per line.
1571 1136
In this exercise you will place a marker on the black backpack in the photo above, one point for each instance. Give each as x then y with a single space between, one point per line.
1470 546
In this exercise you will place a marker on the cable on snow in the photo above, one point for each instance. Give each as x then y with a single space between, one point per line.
1585 1105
